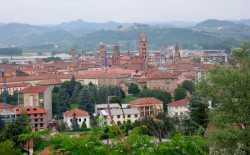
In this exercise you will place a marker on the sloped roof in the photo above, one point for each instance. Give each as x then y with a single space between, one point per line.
180 103
50 82
13 85
78 113
146 100
34 89
8 106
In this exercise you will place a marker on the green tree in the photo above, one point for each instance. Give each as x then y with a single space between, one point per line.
230 88
8 147
188 85
179 94
75 125
133 89
64 101
198 115
85 101
2 124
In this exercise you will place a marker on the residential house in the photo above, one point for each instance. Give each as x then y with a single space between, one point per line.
118 116
80 115
148 106
37 116
99 107
179 108
36 96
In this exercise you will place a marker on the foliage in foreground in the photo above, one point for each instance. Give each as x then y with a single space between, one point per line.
230 90
135 143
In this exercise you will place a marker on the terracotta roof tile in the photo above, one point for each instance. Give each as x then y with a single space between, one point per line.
8 106
34 89
78 112
13 85
183 102
145 101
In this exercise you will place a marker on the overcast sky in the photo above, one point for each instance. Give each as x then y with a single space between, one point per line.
57 11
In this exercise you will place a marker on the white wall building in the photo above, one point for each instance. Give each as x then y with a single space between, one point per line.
81 116
99 107
119 116
179 108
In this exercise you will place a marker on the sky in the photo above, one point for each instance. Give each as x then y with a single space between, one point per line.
42 12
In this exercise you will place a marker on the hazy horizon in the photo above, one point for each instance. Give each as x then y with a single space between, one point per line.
50 12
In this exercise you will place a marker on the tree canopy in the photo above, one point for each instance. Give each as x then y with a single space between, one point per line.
229 87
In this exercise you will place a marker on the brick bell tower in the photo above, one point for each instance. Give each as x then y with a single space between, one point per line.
143 47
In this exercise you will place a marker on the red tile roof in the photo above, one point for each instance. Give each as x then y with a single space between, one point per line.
30 110
145 101
155 74
8 106
34 89
78 112
13 85
50 82
180 103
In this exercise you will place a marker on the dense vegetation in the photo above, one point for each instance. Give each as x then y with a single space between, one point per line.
85 97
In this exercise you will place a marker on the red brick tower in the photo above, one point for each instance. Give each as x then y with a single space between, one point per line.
143 47
73 56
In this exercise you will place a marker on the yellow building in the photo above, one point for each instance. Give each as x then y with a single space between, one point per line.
36 96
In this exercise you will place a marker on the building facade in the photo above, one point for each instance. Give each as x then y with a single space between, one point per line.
148 106
81 117
36 96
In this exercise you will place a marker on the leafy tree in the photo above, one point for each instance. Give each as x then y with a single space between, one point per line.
85 102
198 115
2 124
64 101
230 87
179 94
84 126
55 103
8 147
12 99
133 89
74 125
188 85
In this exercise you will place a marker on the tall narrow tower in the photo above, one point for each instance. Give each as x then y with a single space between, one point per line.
143 47
73 56
102 50
116 54
177 55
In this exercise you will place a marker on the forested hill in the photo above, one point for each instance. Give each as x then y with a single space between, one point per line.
210 34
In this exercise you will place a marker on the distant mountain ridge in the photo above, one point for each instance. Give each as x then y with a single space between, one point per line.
79 33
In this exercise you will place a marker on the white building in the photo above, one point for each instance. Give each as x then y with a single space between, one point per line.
81 116
179 108
119 116
99 107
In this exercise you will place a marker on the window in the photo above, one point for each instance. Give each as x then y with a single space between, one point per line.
85 119
136 115
80 120
129 116
70 120
118 116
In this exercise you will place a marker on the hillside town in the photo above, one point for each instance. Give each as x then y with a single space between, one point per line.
82 92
